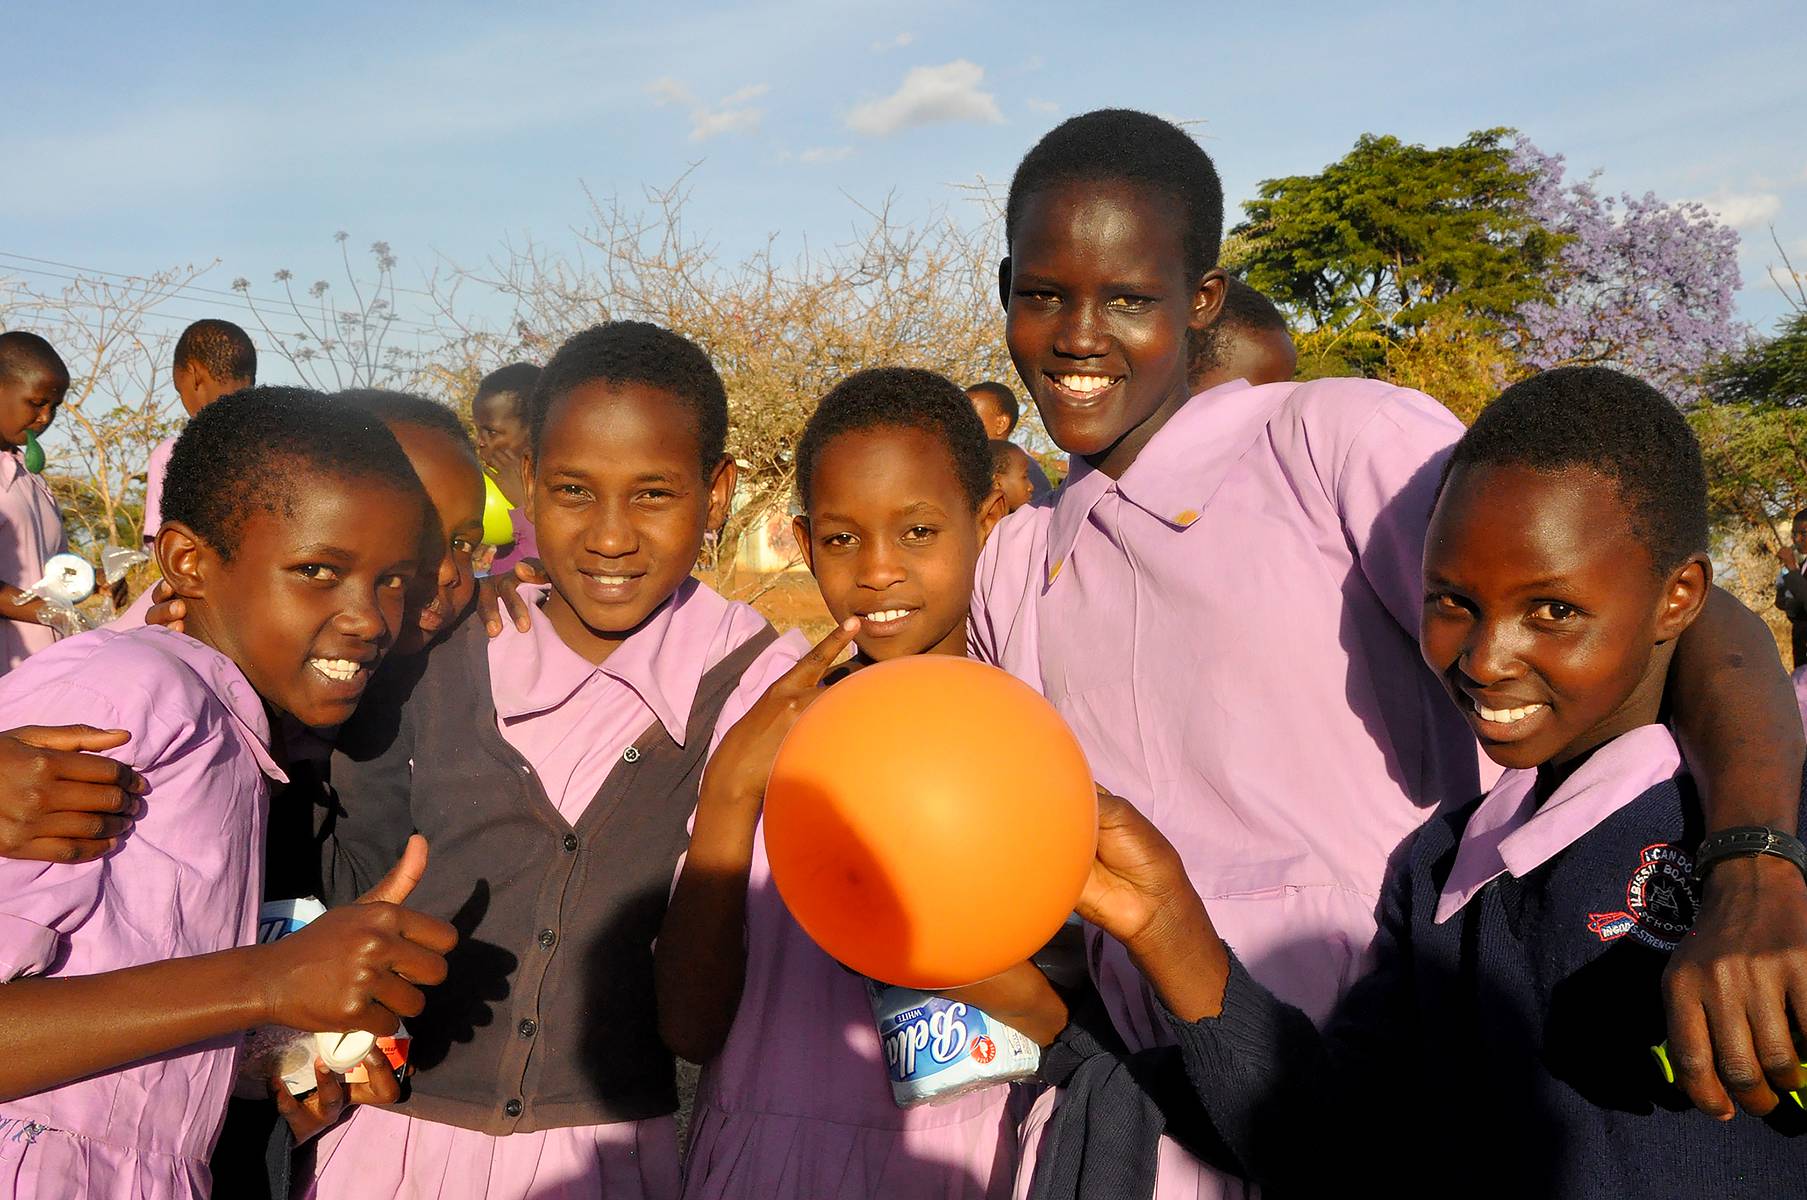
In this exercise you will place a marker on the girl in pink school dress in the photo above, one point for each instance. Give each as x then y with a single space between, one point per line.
795 1103
1222 601
553 768
33 380
129 979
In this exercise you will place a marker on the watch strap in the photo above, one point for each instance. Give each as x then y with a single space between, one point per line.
1745 841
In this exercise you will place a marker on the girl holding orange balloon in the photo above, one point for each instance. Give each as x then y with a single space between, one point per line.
896 486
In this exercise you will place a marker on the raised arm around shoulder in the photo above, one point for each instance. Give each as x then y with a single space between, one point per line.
1384 485
1730 986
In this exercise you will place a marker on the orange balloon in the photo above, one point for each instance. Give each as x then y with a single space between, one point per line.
930 821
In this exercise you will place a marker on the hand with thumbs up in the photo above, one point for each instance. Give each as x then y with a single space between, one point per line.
361 966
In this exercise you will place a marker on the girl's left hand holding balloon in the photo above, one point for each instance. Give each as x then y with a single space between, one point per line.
1139 893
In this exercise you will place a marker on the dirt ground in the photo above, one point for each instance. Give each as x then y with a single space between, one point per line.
788 600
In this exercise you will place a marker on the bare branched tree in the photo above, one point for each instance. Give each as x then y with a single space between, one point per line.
118 406
367 343
781 331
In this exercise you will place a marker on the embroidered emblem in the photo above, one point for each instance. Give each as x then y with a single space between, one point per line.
1660 901
1186 517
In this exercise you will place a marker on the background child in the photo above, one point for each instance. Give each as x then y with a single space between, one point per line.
33 381
1526 933
1249 340
554 770
1791 588
1193 687
1010 473
213 358
440 452
294 593
795 1102
500 413
998 411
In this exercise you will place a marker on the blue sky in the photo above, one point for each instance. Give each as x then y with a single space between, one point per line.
151 136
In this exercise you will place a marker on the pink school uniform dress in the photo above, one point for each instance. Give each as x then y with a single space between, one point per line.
1231 631
572 721
798 1106
186 882
1800 692
526 545
31 530
153 487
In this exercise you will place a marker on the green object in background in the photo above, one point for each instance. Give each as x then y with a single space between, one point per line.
1661 1054
34 453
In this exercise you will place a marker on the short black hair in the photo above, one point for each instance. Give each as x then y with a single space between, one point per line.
1003 453
23 353
405 408
1612 424
1800 516
643 353
1002 396
900 398
220 348
1245 310
255 450
1120 144
516 380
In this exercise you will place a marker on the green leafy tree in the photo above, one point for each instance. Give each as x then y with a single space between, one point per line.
1771 374
1392 235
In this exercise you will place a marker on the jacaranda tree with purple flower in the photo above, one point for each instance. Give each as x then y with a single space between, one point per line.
1639 284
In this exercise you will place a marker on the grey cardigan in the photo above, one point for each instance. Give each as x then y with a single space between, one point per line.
547 1017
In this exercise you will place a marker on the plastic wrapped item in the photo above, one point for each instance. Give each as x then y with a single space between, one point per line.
276 1049
115 561
68 580
937 1049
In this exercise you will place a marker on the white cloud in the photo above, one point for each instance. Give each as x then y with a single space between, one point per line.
950 92
731 115
1744 210
666 90
896 43
822 154
745 94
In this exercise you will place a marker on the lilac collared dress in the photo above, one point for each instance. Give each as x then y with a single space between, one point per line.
572 720
186 882
798 1105
31 531
1231 631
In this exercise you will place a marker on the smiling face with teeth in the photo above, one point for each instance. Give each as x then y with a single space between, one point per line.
1098 304
892 538
1544 614
619 502
313 595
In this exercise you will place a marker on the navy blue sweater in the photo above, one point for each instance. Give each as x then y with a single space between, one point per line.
1506 1051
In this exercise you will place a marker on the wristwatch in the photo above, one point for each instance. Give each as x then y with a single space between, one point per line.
1744 841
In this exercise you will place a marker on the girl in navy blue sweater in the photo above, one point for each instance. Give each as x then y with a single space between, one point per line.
1502 1043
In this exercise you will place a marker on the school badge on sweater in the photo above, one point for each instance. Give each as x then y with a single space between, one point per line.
1660 901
